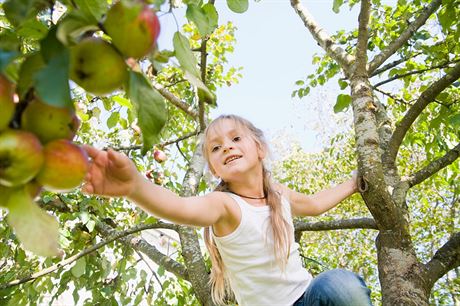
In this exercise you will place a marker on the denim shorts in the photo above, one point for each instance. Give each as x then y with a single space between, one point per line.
336 288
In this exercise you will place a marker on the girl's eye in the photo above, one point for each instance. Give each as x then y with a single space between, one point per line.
237 138
214 149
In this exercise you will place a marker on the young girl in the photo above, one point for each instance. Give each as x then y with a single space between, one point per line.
249 230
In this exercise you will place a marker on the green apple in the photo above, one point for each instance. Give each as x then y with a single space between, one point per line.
21 157
49 122
65 166
96 66
133 27
6 102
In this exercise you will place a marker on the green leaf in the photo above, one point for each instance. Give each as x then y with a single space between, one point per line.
238 6
73 26
343 101
6 58
52 81
32 29
93 10
79 268
203 92
31 65
336 6
113 120
184 55
37 231
455 120
205 17
18 11
150 107
122 101
343 84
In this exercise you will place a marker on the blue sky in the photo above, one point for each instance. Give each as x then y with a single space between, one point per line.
275 50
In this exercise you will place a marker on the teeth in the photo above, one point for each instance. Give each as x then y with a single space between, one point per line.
231 159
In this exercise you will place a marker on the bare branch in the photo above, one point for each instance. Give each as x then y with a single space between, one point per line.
405 36
367 223
435 166
445 259
422 102
174 100
141 245
393 64
400 76
324 40
112 236
163 144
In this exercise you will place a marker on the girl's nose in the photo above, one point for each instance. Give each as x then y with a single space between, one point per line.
227 148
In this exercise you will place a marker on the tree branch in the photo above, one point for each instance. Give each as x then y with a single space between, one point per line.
405 36
400 76
445 259
422 102
435 166
324 40
363 37
141 245
110 237
364 223
174 100
393 64
163 144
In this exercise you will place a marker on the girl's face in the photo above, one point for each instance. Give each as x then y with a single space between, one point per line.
232 150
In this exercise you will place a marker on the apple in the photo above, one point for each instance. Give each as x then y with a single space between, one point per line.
96 66
133 27
7 105
156 176
21 157
65 166
159 156
49 122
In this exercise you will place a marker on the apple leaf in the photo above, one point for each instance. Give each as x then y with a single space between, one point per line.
6 58
184 55
37 231
343 101
79 268
336 6
94 10
29 67
52 81
75 24
18 11
150 107
238 6
205 17
455 120
203 91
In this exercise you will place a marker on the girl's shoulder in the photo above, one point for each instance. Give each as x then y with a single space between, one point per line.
283 190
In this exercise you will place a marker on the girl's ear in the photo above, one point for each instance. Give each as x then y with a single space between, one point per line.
262 150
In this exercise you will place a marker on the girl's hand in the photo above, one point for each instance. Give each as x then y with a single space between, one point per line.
110 174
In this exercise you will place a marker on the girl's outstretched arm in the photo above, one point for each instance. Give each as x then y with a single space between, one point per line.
114 174
322 201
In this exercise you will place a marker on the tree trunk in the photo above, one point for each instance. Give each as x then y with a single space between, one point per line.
402 276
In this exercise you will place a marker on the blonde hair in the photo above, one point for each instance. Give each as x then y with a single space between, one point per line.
279 226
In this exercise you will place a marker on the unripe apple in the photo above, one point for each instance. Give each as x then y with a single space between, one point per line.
159 156
155 175
65 166
49 122
96 66
133 27
6 102
21 157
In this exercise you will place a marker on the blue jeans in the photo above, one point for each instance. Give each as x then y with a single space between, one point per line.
336 288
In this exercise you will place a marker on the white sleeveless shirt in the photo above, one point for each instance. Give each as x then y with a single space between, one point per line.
248 256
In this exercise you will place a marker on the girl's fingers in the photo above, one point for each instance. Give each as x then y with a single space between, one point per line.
92 151
87 188
116 158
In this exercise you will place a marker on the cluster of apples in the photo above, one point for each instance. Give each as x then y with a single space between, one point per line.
40 152
153 174
98 66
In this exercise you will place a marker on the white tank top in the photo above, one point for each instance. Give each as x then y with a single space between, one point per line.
248 256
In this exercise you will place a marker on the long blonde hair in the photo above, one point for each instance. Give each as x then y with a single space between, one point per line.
279 226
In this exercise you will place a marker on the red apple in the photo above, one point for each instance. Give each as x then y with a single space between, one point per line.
6 102
96 66
159 156
65 166
133 27
49 122
21 157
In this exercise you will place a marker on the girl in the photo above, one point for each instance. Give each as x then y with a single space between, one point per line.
248 220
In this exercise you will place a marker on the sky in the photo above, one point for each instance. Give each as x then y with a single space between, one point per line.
275 50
